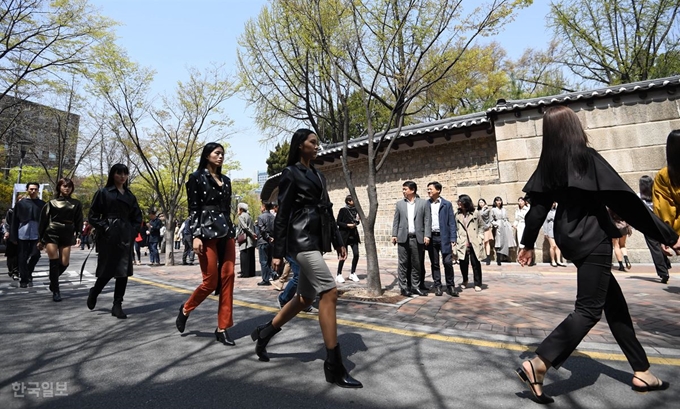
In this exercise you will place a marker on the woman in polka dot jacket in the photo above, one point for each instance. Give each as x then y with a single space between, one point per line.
209 197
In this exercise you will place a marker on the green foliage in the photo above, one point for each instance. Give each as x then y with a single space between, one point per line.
617 41
243 190
276 162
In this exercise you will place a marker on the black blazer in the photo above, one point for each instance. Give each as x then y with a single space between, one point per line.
209 206
298 224
582 220
345 217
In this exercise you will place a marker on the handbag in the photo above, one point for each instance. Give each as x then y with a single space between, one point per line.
241 238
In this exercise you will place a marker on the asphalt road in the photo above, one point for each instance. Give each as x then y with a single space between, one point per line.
143 362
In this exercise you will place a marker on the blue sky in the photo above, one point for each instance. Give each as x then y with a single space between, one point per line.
171 35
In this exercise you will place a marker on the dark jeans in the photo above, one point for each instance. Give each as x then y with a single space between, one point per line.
355 259
138 251
597 291
264 254
471 258
84 241
27 257
119 289
247 257
661 262
291 287
154 257
188 249
433 251
409 263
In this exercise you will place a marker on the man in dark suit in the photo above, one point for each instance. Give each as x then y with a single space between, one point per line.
443 239
411 230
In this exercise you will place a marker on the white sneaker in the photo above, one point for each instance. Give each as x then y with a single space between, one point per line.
339 279
310 310
354 277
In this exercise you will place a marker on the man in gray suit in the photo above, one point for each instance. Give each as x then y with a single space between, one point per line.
411 230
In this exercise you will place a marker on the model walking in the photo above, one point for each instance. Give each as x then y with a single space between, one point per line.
304 228
60 221
576 176
116 218
209 198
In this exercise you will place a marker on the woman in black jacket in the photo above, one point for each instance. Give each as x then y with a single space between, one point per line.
304 229
584 184
209 198
59 228
348 222
116 218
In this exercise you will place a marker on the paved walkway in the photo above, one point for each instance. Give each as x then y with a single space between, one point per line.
517 304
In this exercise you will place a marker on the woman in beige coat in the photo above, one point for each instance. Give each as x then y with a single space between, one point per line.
469 244
246 226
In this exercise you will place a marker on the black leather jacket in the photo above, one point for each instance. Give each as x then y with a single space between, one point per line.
304 207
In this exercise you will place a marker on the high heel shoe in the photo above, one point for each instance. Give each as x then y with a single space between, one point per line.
223 337
626 261
552 264
542 398
262 334
181 320
91 299
335 371
660 386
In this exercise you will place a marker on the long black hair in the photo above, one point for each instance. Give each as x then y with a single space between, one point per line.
118 168
673 157
478 206
207 150
299 137
466 201
565 148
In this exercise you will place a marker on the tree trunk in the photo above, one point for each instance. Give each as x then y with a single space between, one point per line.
372 265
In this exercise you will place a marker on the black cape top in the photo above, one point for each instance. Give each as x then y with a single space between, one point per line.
582 220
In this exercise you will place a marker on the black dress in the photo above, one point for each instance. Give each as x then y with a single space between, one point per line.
60 221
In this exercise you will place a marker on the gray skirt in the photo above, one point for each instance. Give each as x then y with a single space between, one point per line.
315 276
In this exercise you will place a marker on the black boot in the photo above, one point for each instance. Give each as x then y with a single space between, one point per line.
92 299
117 310
62 268
54 275
621 267
262 334
335 371
627 262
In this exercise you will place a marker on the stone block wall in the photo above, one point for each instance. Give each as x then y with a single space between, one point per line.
628 131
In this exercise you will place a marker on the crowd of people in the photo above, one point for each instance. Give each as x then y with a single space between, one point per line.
596 212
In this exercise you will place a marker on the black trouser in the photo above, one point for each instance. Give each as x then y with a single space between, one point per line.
247 257
187 239
119 290
410 254
433 251
355 258
11 252
471 258
661 262
597 291
27 257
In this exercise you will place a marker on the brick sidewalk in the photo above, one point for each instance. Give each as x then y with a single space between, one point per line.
516 301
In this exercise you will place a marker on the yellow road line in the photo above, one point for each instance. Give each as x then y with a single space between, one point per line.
419 334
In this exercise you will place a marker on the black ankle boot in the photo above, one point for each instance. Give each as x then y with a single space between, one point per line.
621 267
262 334
92 299
117 310
223 337
335 371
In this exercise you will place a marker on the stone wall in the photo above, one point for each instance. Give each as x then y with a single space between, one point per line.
630 132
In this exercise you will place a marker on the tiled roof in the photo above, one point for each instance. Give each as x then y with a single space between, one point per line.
458 122
478 118
505 106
